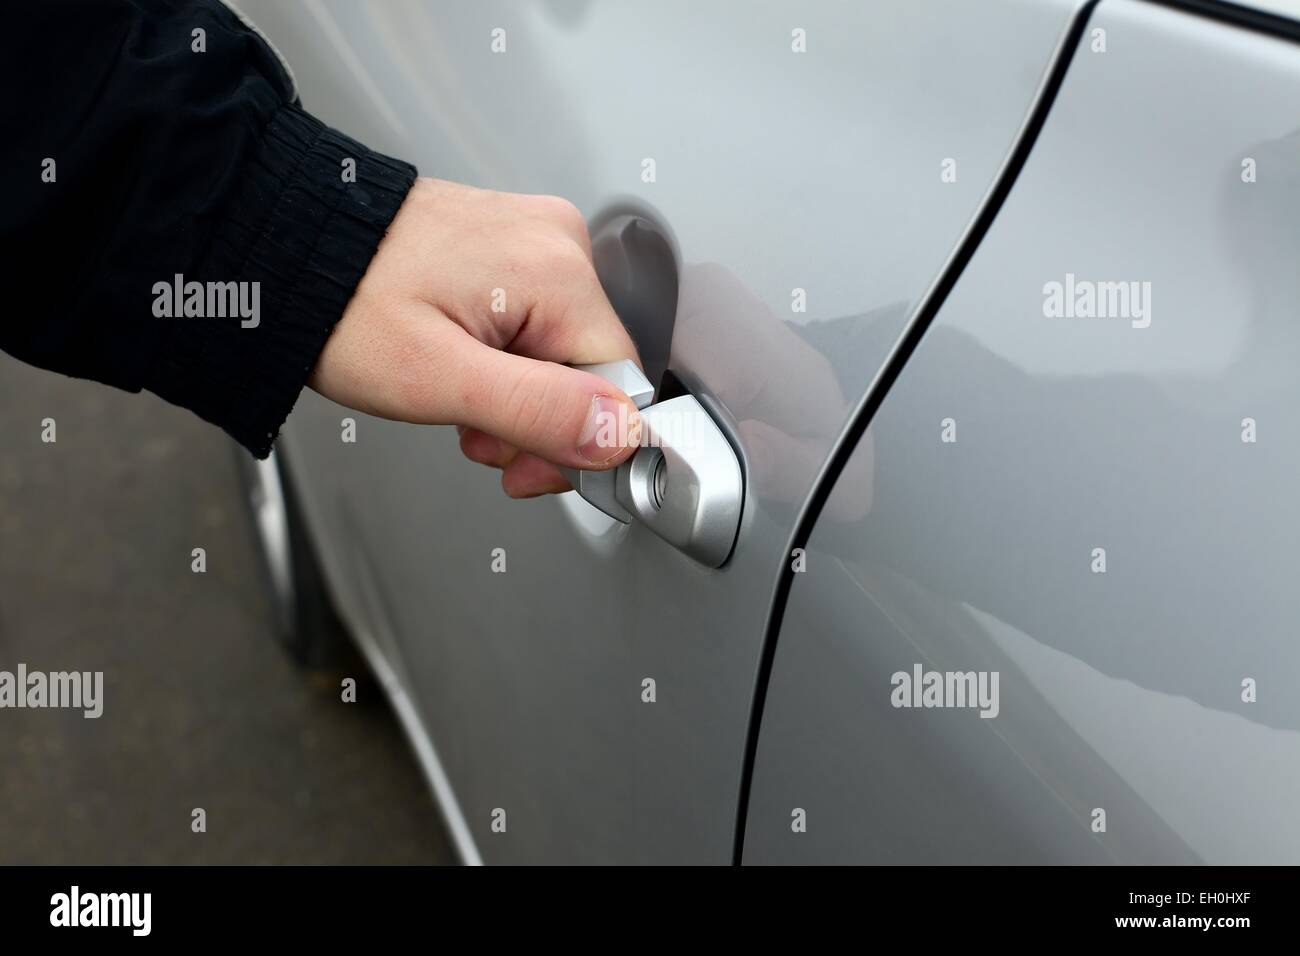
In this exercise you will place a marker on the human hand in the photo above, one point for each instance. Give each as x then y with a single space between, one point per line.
468 314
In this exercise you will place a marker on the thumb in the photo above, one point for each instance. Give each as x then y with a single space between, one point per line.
561 414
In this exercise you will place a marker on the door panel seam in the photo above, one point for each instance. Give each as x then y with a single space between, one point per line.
843 450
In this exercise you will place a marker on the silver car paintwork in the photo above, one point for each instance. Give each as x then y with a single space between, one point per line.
775 171
1121 690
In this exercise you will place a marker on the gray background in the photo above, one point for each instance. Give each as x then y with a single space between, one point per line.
201 707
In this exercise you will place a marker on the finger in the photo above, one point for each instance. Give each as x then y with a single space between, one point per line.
485 449
561 414
573 323
529 476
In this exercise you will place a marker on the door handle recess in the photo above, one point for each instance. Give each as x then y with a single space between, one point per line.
684 483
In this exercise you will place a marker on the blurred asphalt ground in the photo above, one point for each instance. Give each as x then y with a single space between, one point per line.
201 707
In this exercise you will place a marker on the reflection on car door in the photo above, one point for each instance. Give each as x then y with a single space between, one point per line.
1095 504
588 687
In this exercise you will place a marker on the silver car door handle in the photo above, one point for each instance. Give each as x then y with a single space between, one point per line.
684 483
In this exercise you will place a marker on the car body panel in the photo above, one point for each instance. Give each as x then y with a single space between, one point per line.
775 171
1125 686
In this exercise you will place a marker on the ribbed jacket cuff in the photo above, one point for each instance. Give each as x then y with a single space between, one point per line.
305 236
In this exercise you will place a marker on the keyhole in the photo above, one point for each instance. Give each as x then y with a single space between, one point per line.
660 483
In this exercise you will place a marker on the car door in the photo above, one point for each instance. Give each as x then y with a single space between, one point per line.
796 177
1084 488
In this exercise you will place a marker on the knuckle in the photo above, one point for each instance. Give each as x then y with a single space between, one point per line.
563 213
569 261
558 262
531 249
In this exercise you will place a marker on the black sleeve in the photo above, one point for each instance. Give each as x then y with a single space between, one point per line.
131 159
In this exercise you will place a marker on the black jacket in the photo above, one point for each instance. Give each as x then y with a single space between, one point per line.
171 162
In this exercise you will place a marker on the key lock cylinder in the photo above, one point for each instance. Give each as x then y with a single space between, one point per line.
684 483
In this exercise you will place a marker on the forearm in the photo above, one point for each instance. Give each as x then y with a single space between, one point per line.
135 158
